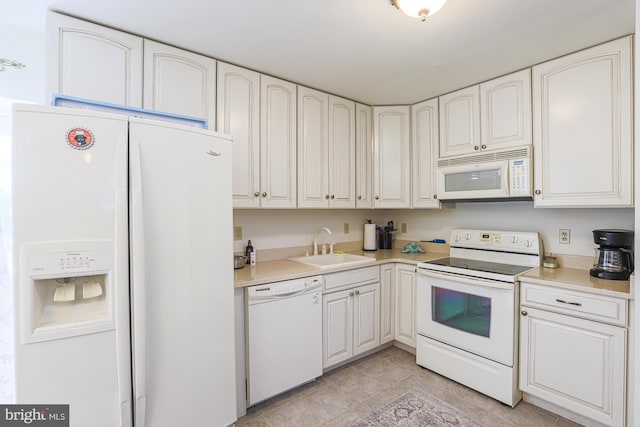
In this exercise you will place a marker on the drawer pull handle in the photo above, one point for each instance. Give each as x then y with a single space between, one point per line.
568 302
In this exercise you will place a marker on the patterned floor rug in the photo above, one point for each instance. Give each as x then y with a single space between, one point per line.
418 409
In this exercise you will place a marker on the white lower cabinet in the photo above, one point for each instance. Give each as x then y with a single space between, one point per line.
405 304
387 303
351 320
571 362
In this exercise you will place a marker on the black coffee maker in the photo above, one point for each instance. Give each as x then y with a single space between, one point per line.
614 258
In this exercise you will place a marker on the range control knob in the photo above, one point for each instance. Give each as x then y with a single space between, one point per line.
528 243
468 236
514 239
456 238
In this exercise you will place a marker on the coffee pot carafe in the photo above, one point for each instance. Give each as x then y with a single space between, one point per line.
614 258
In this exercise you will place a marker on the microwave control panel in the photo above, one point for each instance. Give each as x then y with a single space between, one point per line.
520 178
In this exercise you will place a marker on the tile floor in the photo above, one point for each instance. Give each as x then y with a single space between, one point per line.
350 393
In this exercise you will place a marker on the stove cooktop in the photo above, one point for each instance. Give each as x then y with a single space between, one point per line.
474 268
489 267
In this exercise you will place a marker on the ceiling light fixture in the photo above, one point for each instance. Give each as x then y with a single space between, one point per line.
418 8
10 63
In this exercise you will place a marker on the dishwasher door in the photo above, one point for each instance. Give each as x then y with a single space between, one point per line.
284 336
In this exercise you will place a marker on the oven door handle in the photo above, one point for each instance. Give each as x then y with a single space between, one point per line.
477 281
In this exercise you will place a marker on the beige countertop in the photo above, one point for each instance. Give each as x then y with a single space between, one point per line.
578 279
283 269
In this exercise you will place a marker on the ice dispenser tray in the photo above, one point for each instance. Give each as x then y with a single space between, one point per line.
66 289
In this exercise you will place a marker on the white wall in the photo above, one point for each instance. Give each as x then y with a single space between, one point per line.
27 47
284 228
270 229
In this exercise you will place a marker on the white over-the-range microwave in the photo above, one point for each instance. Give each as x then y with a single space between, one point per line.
502 174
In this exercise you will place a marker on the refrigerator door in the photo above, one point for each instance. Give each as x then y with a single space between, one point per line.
71 277
182 284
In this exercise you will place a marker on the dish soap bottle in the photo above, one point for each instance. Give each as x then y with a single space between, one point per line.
248 252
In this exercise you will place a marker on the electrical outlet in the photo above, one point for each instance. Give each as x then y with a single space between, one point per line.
237 233
565 236
346 228
403 227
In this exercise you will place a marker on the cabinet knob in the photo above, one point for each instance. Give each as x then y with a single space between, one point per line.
257 194
435 196
538 192
326 196
475 147
350 294
484 146
524 313
264 194
333 196
359 197
357 292
377 197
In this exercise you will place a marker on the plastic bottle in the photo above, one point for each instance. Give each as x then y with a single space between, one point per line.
248 252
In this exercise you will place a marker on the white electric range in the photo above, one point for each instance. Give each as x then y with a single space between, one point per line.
467 309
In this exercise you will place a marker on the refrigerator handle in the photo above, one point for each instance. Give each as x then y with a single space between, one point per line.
138 286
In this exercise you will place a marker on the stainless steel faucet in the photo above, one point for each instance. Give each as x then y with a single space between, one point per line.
315 241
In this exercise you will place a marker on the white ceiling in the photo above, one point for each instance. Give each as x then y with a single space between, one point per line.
365 50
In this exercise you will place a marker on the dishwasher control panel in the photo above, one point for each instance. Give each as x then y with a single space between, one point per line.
285 288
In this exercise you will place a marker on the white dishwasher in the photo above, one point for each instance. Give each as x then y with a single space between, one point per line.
284 336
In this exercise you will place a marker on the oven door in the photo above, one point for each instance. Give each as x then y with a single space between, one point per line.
472 314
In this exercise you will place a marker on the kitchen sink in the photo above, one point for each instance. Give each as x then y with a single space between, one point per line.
333 260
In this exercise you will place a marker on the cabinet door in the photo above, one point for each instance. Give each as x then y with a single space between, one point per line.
366 318
576 364
86 60
179 82
342 153
238 116
505 111
313 150
364 156
278 143
424 130
583 147
387 303
460 122
406 304
337 333
391 136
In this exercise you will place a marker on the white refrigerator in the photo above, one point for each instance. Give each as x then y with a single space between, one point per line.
123 283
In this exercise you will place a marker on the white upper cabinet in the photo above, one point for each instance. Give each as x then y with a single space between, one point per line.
342 153
391 153
364 156
490 116
313 142
583 145
90 61
179 82
326 150
460 122
259 112
505 111
239 116
424 149
277 143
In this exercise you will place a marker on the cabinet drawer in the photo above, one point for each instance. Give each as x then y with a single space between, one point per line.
601 308
351 278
